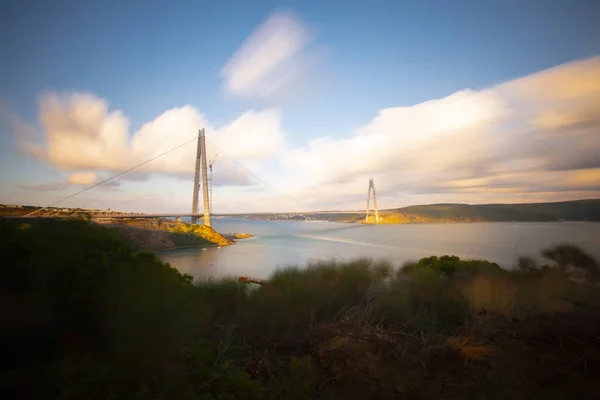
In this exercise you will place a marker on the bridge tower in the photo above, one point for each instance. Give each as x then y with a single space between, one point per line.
201 170
372 188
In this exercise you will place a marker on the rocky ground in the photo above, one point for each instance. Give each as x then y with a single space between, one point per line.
154 235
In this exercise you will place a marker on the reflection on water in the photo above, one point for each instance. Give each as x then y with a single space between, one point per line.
283 243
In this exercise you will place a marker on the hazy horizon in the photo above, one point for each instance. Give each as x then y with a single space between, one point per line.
325 210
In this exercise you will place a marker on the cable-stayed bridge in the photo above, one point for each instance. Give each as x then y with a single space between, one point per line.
201 180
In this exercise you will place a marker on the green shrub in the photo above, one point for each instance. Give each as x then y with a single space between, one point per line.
447 266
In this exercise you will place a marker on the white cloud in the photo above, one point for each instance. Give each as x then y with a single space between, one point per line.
270 59
400 136
80 134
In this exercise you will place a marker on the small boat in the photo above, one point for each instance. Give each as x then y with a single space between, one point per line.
249 279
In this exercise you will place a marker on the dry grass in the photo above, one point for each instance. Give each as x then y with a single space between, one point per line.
494 293
521 295
471 348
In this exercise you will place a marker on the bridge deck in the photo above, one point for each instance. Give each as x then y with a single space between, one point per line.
180 215
183 215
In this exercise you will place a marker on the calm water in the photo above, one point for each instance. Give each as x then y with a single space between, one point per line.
279 244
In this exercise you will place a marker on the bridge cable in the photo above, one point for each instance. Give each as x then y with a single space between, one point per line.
112 177
249 172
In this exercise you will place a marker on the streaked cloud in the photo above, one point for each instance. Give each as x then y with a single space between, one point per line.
536 138
271 59
83 178
74 181
539 133
43 187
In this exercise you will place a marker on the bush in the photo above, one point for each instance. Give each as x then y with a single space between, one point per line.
568 258
99 317
447 266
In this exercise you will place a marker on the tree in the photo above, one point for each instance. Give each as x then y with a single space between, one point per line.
567 256
527 264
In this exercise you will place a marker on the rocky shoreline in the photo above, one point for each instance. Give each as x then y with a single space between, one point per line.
153 238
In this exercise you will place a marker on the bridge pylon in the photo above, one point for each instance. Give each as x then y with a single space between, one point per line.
201 171
376 211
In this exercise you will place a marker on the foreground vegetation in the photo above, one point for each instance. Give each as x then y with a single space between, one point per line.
86 317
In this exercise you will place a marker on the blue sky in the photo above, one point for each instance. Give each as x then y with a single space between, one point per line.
146 58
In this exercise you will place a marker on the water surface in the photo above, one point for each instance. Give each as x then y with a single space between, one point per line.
281 243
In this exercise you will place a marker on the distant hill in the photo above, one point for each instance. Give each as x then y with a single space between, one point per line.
578 210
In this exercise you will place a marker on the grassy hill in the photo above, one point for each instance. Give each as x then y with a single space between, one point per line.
579 210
